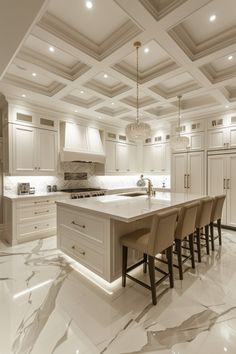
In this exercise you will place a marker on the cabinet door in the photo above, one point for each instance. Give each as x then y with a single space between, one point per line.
158 158
122 157
46 151
216 138
217 177
148 158
76 137
167 157
132 157
195 178
231 190
24 150
232 137
179 173
196 141
110 156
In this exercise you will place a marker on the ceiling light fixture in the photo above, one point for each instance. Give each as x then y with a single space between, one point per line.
51 49
105 76
230 57
226 106
179 141
23 95
112 103
34 74
212 18
82 91
89 4
75 111
146 50
137 130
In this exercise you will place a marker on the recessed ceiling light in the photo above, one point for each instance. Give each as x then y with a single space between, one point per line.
99 117
89 4
146 50
81 91
226 106
51 49
212 18
34 74
112 103
23 95
76 111
230 57
105 76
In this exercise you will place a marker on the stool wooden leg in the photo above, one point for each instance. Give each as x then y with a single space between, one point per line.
219 231
151 268
145 263
207 239
179 255
198 236
191 246
124 264
170 265
212 236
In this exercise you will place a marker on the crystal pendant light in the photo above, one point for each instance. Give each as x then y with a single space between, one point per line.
137 131
179 141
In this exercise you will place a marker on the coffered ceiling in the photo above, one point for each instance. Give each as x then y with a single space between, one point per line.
82 61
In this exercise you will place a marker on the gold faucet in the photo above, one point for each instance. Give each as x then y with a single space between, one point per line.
150 190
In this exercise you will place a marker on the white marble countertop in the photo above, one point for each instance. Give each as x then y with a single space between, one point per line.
127 209
116 190
14 196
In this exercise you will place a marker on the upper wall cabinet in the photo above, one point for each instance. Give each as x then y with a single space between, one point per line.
120 157
32 151
224 138
156 158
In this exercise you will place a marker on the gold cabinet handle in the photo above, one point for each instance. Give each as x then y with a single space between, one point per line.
79 225
42 201
41 212
228 187
185 181
224 184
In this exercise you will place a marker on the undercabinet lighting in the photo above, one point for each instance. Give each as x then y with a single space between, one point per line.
105 76
230 57
82 91
146 50
29 290
34 74
89 4
212 18
51 49
23 95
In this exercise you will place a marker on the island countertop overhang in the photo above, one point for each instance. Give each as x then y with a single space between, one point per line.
128 209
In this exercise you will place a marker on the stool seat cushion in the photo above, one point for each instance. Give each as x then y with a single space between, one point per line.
138 240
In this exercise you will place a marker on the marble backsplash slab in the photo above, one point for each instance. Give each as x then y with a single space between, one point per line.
82 169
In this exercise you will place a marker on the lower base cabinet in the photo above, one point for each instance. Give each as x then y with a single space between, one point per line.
29 219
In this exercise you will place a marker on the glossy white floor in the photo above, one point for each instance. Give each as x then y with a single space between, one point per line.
48 306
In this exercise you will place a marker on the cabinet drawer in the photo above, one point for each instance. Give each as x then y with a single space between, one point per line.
83 253
35 212
27 230
90 227
39 202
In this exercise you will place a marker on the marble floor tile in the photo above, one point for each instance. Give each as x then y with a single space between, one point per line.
49 306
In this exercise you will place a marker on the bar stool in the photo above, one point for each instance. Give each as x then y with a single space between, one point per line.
203 221
151 241
216 215
186 228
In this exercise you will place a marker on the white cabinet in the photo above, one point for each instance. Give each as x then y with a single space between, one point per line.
156 158
188 173
196 142
33 151
222 180
223 138
120 157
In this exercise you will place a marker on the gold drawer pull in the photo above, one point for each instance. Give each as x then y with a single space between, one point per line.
42 201
75 223
41 212
81 252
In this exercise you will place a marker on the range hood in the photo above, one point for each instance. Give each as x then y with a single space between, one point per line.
81 143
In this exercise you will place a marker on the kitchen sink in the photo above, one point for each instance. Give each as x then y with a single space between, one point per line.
133 194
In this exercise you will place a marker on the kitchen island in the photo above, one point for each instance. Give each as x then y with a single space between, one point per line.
88 230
